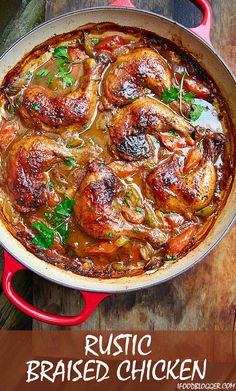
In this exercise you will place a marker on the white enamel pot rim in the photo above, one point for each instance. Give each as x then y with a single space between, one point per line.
215 66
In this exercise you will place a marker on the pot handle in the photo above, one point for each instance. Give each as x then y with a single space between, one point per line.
203 30
11 266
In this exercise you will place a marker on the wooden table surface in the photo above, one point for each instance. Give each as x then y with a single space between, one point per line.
205 296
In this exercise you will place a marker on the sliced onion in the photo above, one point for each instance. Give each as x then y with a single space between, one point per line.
9 212
151 217
147 251
88 45
122 241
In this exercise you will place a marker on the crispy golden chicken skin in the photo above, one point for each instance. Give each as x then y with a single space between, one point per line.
134 72
98 213
177 192
27 165
44 107
130 126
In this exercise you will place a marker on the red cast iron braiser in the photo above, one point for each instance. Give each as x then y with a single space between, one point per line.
11 266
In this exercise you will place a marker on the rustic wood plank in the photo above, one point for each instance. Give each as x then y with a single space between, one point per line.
202 298
31 14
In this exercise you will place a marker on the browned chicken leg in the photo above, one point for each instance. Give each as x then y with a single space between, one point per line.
44 107
98 210
129 127
177 192
134 72
27 165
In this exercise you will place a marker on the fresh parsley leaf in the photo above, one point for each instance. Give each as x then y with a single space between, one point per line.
86 127
110 235
50 79
65 207
95 41
45 238
61 52
63 233
171 257
61 62
91 209
173 132
70 161
188 97
68 80
50 185
42 72
10 108
58 225
48 215
65 69
36 106
170 95
121 65
197 111
138 209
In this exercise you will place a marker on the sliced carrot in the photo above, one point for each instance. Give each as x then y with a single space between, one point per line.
101 248
199 89
110 43
177 244
53 198
124 174
192 160
123 170
171 142
174 219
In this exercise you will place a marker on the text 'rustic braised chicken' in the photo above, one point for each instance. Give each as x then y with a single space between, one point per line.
116 152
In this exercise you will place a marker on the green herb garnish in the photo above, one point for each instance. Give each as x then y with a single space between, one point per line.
42 72
138 209
197 111
121 65
48 215
68 80
45 238
170 95
58 225
95 41
171 257
50 79
36 106
91 209
110 235
188 97
61 52
91 140
173 132
70 161
10 108
50 185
